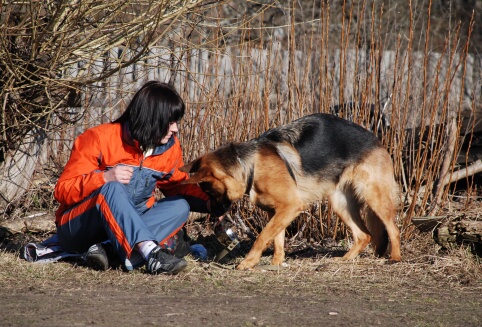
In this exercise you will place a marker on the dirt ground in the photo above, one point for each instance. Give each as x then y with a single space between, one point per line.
429 288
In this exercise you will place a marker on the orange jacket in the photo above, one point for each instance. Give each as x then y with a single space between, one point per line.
101 148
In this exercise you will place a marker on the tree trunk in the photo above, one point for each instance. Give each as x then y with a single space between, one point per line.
19 165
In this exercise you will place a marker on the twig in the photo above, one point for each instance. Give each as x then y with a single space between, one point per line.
447 161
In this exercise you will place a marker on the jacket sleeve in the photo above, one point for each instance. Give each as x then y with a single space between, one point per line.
82 174
193 194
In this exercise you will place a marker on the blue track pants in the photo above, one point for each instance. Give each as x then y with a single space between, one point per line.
110 214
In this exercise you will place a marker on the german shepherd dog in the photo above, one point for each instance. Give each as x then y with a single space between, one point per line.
289 167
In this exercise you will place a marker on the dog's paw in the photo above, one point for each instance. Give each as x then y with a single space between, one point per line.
277 261
246 265
242 266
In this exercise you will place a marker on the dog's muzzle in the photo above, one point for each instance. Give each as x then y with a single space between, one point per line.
218 209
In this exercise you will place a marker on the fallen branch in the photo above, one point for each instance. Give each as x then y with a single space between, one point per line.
458 232
470 170
36 223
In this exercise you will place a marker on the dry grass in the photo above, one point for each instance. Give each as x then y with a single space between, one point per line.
429 288
424 262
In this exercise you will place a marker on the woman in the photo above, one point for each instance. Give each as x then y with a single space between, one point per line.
107 189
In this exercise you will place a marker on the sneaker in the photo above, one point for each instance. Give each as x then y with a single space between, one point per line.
96 257
161 262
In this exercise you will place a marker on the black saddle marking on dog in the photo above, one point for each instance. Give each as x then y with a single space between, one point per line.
325 143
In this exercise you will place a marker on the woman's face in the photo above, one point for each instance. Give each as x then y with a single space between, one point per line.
172 130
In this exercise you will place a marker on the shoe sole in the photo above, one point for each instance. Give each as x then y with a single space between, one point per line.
98 259
97 263
177 269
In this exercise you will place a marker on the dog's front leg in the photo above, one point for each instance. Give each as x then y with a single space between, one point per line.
262 242
274 230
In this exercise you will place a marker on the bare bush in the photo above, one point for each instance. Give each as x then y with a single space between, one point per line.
50 51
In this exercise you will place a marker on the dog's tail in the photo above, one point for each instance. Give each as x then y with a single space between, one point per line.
375 224
379 235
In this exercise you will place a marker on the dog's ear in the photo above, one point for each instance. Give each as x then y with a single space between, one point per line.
191 167
186 168
195 178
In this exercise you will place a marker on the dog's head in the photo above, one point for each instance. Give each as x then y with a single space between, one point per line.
218 175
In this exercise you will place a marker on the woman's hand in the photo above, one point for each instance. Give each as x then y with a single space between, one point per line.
119 173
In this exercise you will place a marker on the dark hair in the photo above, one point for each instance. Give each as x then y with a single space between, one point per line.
150 112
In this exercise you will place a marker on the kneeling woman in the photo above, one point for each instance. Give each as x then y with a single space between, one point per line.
107 189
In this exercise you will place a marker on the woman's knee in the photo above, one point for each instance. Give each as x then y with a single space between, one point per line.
177 204
115 191
182 206
112 187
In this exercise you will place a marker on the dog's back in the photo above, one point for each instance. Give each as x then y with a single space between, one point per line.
325 143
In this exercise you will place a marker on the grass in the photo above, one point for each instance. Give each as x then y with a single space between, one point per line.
423 260
430 287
